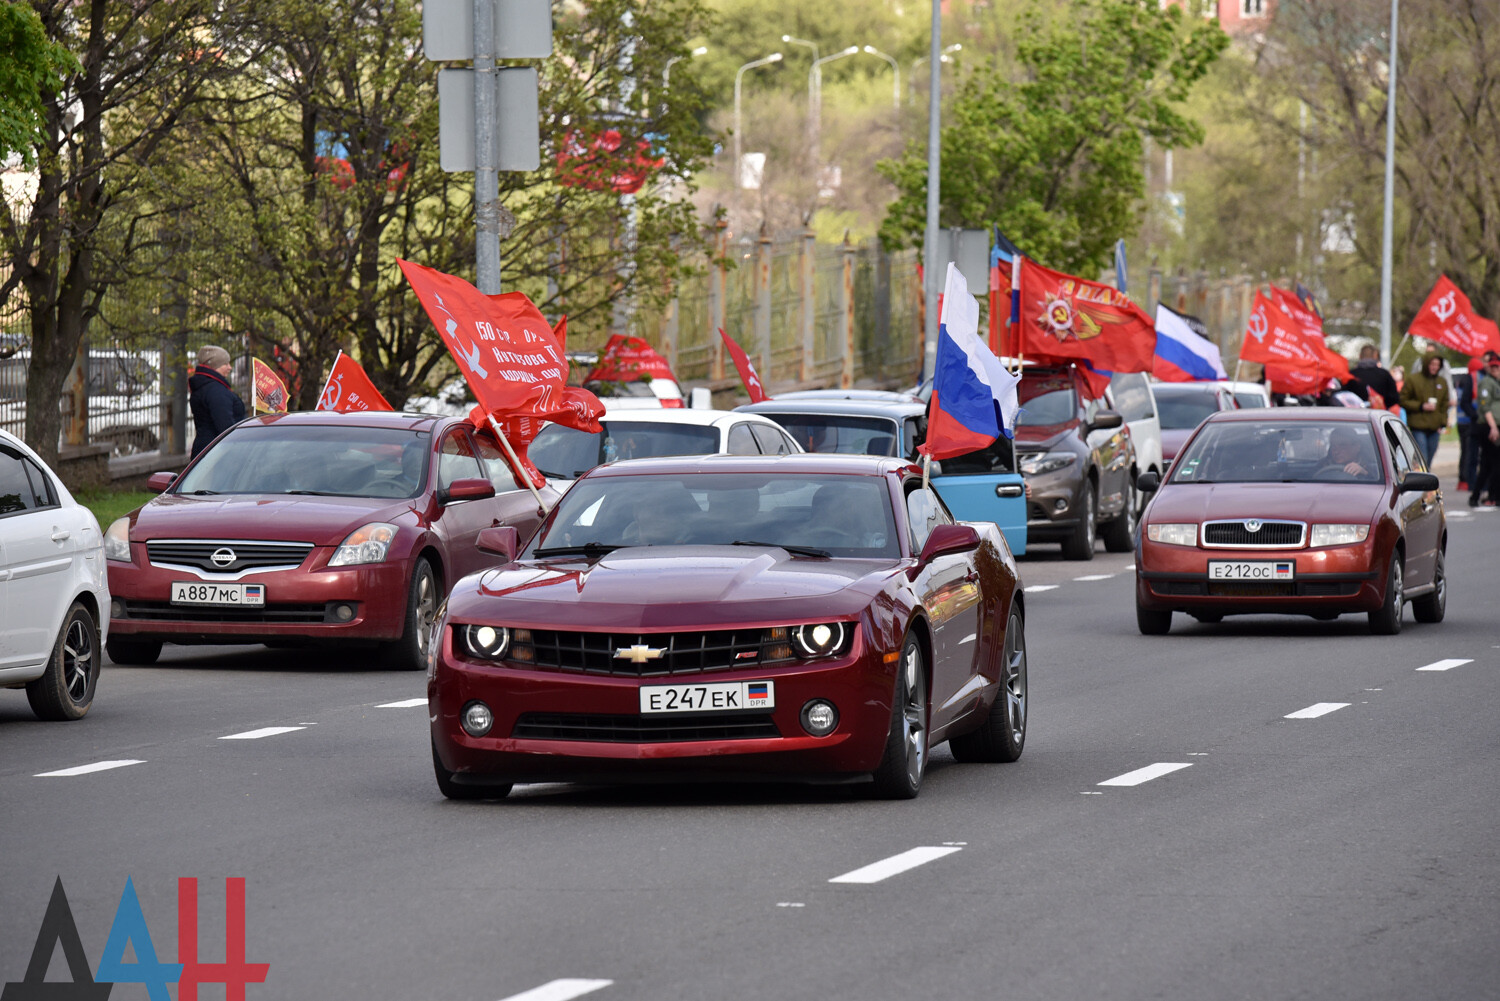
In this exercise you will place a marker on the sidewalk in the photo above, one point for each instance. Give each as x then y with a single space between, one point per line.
1445 463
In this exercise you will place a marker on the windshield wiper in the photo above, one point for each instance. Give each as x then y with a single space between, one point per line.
205 493
587 549
316 493
794 550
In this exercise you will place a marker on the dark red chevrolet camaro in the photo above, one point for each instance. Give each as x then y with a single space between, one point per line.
804 617
312 527
1316 511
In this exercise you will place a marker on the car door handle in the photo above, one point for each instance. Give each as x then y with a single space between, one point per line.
971 576
60 535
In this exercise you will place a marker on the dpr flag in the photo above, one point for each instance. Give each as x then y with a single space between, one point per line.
348 389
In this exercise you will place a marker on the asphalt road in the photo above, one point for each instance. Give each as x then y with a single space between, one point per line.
1348 854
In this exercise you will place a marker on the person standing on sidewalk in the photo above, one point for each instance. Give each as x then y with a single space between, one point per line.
1424 397
1374 378
1467 417
1488 433
216 406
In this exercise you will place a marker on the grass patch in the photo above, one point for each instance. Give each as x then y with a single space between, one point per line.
108 505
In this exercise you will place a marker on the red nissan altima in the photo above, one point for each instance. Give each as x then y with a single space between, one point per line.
1319 511
805 617
312 527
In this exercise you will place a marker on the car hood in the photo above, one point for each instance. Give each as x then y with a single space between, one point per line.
1328 503
1043 438
323 521
666 587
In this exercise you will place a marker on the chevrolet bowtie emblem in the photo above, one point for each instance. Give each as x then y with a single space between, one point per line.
639 653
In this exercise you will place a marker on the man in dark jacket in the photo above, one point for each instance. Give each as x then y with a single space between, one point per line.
216 406
1368 371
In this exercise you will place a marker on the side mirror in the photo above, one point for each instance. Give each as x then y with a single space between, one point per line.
1148 482
1415 482
1105 420
949 539
161 482
503 541
466 489
700 398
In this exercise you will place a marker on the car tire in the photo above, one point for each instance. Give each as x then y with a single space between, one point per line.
409 653
1386 620
1119 535
1080 545
129 650
905 761
65 691
1432 606
1152 622
453 790
1002 736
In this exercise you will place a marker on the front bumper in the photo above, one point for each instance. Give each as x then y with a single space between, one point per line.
1052 504
1334 580
859 684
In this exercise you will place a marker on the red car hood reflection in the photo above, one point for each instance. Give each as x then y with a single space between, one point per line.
670 587
1042 436
323 521
1324 503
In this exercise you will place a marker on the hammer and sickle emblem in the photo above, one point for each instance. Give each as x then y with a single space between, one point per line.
1445 307
1258 324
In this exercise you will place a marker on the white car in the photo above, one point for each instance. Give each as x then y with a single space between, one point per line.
1249 395
1130 395
54 597
563 454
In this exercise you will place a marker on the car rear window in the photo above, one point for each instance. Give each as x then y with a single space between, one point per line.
566 453
1185 411
336 460
845 434
1046 400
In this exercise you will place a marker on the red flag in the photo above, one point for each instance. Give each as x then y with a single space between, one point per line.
348 389
1332 365
577 408
269 391
626 358
561 333
747 371
995 292
1295 381
1273 337
1065 318
1449 318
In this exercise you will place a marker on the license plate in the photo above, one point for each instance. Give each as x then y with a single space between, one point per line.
1253 570
191 592
717 696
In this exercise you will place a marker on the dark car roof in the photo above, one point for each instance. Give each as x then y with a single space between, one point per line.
809 464
365 419
1348 415
894 409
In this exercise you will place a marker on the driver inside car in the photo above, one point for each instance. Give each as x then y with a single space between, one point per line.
1346 455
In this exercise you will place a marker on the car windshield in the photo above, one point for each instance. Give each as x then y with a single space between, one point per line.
828 515
1185 411
344 461
1281 452
1249 401
1046 400
566 453
841 433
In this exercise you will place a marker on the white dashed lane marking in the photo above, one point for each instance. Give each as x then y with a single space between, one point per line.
1095 576
1038 588
1314 711
1446 665
1146 774
895 865
560 990
403 704
97 766
265 731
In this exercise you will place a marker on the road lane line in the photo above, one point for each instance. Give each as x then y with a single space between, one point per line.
1095 576
98 766
403 704
560 990
265 731
1316 710
1446 665
1146 774
1038 588
895 865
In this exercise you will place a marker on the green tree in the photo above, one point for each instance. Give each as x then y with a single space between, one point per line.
1051 149
31 66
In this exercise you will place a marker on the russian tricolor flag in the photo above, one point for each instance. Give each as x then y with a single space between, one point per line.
973 396
1182 355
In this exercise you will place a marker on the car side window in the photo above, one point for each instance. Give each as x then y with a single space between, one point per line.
457 460
1409 446
495 465
772 441
1399 455
1132 396
741 441
41 485
924 512
16 493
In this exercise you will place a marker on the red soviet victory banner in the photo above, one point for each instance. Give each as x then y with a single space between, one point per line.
1272 337
626 358
268 391
348 389
747 371
1066 318
1449 318
1331 365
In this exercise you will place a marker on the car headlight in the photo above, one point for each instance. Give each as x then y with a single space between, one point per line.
1174 534
818 640
117 540
486 642
1047 462
1338 535
366 544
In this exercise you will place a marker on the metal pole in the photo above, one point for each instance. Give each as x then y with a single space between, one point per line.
486 173
934 161
739 77
895 68
1387 241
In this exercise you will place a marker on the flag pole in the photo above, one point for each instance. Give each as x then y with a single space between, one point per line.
515 461
1015 312
1404 338
926 465
324 391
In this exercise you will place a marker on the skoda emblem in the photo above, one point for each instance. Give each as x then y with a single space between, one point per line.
222 557
1253 525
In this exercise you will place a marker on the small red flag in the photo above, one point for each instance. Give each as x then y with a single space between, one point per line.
348 389
1449 318
1065 318
626 358
747 371
269 391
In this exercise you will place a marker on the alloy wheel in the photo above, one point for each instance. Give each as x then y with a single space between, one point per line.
427 604
1015 678
914 717
78 661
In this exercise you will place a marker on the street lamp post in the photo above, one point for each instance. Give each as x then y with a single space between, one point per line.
895 68
815 94
814 80
934 167
945 57
666 74
739 76
1387 241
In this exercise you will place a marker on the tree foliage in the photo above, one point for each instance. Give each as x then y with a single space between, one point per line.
31 66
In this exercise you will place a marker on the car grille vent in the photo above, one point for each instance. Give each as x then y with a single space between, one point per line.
1268 534
1252 588
642 729
661 653
246 554
161 611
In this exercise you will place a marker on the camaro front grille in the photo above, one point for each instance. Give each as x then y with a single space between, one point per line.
1267 534
234 554
161 611
657 654
642 729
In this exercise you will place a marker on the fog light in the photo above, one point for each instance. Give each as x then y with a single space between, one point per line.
343 612
477 719
116 608
819 717
1061 504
